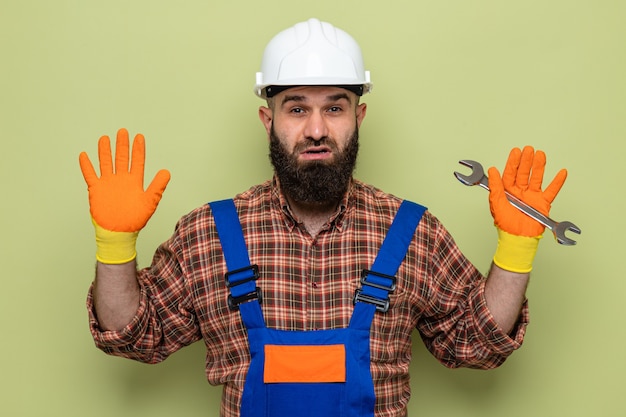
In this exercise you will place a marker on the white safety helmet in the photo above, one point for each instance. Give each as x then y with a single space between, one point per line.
312 53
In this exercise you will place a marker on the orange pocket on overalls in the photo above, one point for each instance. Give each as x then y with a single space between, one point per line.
310 363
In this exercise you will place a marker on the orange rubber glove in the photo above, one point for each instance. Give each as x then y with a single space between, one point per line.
518 233
119 206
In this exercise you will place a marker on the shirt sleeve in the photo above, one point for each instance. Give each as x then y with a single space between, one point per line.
456 326
165 320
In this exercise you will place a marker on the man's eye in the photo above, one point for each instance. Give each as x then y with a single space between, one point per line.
334 109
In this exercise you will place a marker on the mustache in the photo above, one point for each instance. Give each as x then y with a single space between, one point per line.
316 143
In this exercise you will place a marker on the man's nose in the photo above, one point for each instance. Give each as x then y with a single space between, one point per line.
316 127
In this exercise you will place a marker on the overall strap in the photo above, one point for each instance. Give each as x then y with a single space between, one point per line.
241 276
379 281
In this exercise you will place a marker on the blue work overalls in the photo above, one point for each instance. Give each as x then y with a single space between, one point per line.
318 373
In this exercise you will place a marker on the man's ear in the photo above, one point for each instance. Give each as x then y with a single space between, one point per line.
266 116
361 110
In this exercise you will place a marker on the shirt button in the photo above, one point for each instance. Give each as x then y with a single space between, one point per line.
314 285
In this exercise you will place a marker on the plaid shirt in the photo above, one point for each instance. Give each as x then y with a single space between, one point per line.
308 283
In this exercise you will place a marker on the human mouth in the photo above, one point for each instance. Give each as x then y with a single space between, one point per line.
316 153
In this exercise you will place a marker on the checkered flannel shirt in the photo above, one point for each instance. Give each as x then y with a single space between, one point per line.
308 283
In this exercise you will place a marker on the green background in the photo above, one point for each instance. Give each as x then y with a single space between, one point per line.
453 80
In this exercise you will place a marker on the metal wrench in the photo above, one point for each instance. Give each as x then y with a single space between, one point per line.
478 177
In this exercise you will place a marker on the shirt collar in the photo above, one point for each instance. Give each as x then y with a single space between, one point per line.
337 219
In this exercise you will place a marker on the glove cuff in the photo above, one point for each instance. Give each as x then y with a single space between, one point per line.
515 253
114 247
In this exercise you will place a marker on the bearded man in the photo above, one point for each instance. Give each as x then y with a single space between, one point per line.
306 289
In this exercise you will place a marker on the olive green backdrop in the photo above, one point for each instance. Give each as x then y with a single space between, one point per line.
453 80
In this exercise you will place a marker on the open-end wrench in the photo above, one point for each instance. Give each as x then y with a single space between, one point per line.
478 177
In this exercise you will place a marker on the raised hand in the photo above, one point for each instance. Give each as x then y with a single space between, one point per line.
523 178
117 199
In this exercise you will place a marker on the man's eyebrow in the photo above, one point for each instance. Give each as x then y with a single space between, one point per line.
301 98
295 98
339 96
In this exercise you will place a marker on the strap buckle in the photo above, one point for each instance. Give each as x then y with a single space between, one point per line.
382 305
389 288
253 277
234 301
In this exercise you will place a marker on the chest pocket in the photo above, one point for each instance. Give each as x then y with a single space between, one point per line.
305 380
304 364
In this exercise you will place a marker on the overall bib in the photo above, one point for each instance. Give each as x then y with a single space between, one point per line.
322 373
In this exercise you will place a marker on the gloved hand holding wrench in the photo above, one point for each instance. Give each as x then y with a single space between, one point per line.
519 206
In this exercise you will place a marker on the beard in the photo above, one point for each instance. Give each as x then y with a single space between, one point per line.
314 182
